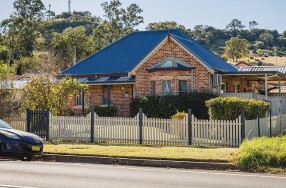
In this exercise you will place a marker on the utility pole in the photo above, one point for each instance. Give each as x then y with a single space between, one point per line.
74 55
69 6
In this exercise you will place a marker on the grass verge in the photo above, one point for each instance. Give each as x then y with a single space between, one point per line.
174 153
263 154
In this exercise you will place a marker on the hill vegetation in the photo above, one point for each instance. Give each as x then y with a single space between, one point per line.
36 40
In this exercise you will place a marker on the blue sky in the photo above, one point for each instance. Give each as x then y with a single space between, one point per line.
270 14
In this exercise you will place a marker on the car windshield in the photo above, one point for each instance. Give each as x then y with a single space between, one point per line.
5 125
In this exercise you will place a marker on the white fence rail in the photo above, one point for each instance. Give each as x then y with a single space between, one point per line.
155 131
246 96
70 128
17 122
158 131
116 129
216 132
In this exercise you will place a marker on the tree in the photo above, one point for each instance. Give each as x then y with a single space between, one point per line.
118 23
44 92
8 102
204 34
235 25
267 38
252 25
63 45
236 48
4 54
29 9
21 35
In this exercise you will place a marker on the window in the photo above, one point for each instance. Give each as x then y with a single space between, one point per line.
223 88
166 87
153 88
79 96
106 95
236 88
183 86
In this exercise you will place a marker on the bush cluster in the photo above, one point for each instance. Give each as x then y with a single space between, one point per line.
262 153
229 108
166 106
106 111
179 116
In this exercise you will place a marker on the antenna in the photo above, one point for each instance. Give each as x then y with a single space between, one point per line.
49 15
69 6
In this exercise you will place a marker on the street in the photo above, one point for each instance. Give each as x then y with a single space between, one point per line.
53 174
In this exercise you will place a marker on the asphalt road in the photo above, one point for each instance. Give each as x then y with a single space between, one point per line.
52 174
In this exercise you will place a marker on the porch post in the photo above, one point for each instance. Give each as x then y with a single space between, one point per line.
265 87
279 86
82 102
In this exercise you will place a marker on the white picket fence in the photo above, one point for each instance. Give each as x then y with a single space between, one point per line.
116 129
70 128
155 131
216 132
17 121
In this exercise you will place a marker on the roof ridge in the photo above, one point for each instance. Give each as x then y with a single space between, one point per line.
99 51
113 43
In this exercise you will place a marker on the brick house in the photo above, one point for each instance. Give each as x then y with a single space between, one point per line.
160 62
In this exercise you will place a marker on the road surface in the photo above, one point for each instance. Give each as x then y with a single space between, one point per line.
19 174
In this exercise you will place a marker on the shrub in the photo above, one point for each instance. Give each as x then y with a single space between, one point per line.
229 108
166 106
254 108
108 111
179 115
261 153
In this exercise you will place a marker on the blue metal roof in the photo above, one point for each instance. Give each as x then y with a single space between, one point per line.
108 80
202 53
171 63
125 54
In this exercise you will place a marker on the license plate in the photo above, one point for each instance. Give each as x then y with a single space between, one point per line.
36 148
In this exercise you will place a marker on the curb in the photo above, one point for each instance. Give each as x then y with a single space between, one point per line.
138 162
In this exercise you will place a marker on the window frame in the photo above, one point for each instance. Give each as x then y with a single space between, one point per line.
169 84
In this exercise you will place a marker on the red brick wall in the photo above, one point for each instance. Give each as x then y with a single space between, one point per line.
121 96
170 49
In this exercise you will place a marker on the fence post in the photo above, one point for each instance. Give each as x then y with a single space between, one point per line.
270 125
48 124
258 125
140 126
190 126
28 120
92 124
242 125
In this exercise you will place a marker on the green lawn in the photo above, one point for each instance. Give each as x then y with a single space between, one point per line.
177 153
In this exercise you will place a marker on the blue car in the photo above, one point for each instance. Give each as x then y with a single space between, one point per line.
18 143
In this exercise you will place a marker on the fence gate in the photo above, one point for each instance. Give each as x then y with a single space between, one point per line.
38 123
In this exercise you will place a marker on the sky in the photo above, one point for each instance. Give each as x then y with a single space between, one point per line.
269 14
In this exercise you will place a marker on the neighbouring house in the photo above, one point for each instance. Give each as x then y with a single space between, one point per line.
242 64
160 62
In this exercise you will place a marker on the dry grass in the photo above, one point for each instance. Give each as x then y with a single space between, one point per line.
276 61
177 153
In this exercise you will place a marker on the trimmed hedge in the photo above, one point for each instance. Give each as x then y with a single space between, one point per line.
166 106
108 111
229 108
